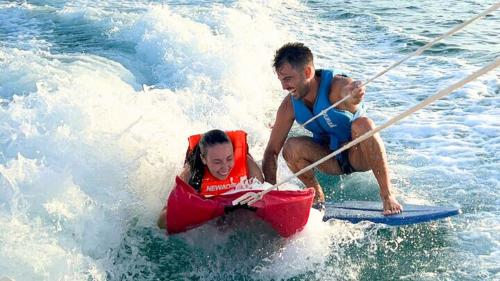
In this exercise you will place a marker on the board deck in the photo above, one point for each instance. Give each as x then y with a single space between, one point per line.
356 211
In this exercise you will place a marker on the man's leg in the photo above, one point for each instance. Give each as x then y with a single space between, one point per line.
299 152
370 155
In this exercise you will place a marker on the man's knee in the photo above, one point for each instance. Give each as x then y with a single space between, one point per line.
361 126
290 148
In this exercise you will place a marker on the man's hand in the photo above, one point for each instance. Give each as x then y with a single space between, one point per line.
391 205
355 90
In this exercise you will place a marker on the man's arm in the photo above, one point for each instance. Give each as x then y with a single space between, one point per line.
282 125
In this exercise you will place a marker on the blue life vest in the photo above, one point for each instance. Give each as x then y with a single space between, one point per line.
332 128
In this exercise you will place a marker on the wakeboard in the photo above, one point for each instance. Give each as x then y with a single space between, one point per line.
357 211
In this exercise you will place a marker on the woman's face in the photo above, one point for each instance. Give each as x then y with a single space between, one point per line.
219 159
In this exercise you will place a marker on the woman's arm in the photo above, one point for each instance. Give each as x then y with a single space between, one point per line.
253 169
186 173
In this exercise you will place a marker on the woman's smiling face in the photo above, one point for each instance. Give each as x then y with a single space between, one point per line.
219 159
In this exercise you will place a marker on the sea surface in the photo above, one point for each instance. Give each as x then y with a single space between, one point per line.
97 99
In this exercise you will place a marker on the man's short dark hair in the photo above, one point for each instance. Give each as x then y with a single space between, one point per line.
294 53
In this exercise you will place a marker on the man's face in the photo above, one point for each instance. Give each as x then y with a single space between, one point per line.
293 80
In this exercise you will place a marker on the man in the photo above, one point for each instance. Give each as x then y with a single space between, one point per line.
310 92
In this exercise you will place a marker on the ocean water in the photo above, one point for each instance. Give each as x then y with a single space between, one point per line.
97 99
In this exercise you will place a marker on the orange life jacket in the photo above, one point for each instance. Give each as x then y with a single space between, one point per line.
211 185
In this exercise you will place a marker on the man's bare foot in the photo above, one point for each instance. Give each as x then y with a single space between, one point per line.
319 196
320 206
391 205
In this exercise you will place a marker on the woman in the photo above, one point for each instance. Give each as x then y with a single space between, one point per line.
217 162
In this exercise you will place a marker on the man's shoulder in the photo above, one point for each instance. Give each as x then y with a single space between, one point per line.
286 107
286 103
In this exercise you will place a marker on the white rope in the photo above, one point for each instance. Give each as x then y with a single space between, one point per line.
250 198
416 53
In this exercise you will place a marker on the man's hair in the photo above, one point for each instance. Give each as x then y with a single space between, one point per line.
294 53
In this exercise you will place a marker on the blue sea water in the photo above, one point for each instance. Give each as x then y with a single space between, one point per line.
97 99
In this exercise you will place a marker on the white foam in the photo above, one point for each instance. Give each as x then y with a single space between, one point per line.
313 247
85 149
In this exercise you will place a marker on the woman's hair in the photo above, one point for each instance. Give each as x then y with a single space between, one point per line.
193 158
